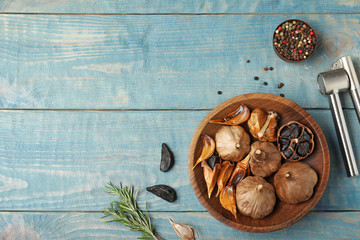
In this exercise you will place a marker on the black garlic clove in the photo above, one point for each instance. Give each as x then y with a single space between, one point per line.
213 160
284 143
286 132
288 153
293 126
163 191
297 132
306 136
167 158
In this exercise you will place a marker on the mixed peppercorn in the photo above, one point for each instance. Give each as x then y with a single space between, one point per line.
294 40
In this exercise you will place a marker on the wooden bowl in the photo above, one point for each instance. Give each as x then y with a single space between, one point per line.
284 214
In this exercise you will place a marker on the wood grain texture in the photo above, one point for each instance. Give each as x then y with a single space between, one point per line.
184 6
89 226
283 215
62 160
159 62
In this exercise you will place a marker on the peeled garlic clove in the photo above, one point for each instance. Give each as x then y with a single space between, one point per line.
227 195
167 158
241 171
210 175
225 173
184 231
208 149
228 200
163 191
240 115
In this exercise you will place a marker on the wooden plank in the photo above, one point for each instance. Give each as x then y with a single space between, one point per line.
316 225
62 160
188 6
159 62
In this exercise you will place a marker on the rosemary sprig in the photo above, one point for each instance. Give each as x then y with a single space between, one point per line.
127 212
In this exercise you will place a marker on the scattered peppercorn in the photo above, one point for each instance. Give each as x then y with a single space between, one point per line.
282 95
219 92
271 68
265 68
280 85
256 78
247 61
265 83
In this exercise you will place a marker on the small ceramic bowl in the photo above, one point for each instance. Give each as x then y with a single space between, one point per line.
294 40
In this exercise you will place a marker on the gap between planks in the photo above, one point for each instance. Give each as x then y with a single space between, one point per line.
167 14
73 211
128 110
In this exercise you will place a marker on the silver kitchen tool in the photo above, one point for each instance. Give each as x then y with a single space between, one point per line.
341 78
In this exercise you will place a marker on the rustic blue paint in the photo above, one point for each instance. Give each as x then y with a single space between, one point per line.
184 6
89 226
159 62
61 160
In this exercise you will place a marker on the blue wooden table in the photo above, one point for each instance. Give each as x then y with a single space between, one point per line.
89 90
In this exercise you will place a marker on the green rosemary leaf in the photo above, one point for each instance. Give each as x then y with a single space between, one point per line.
127 212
